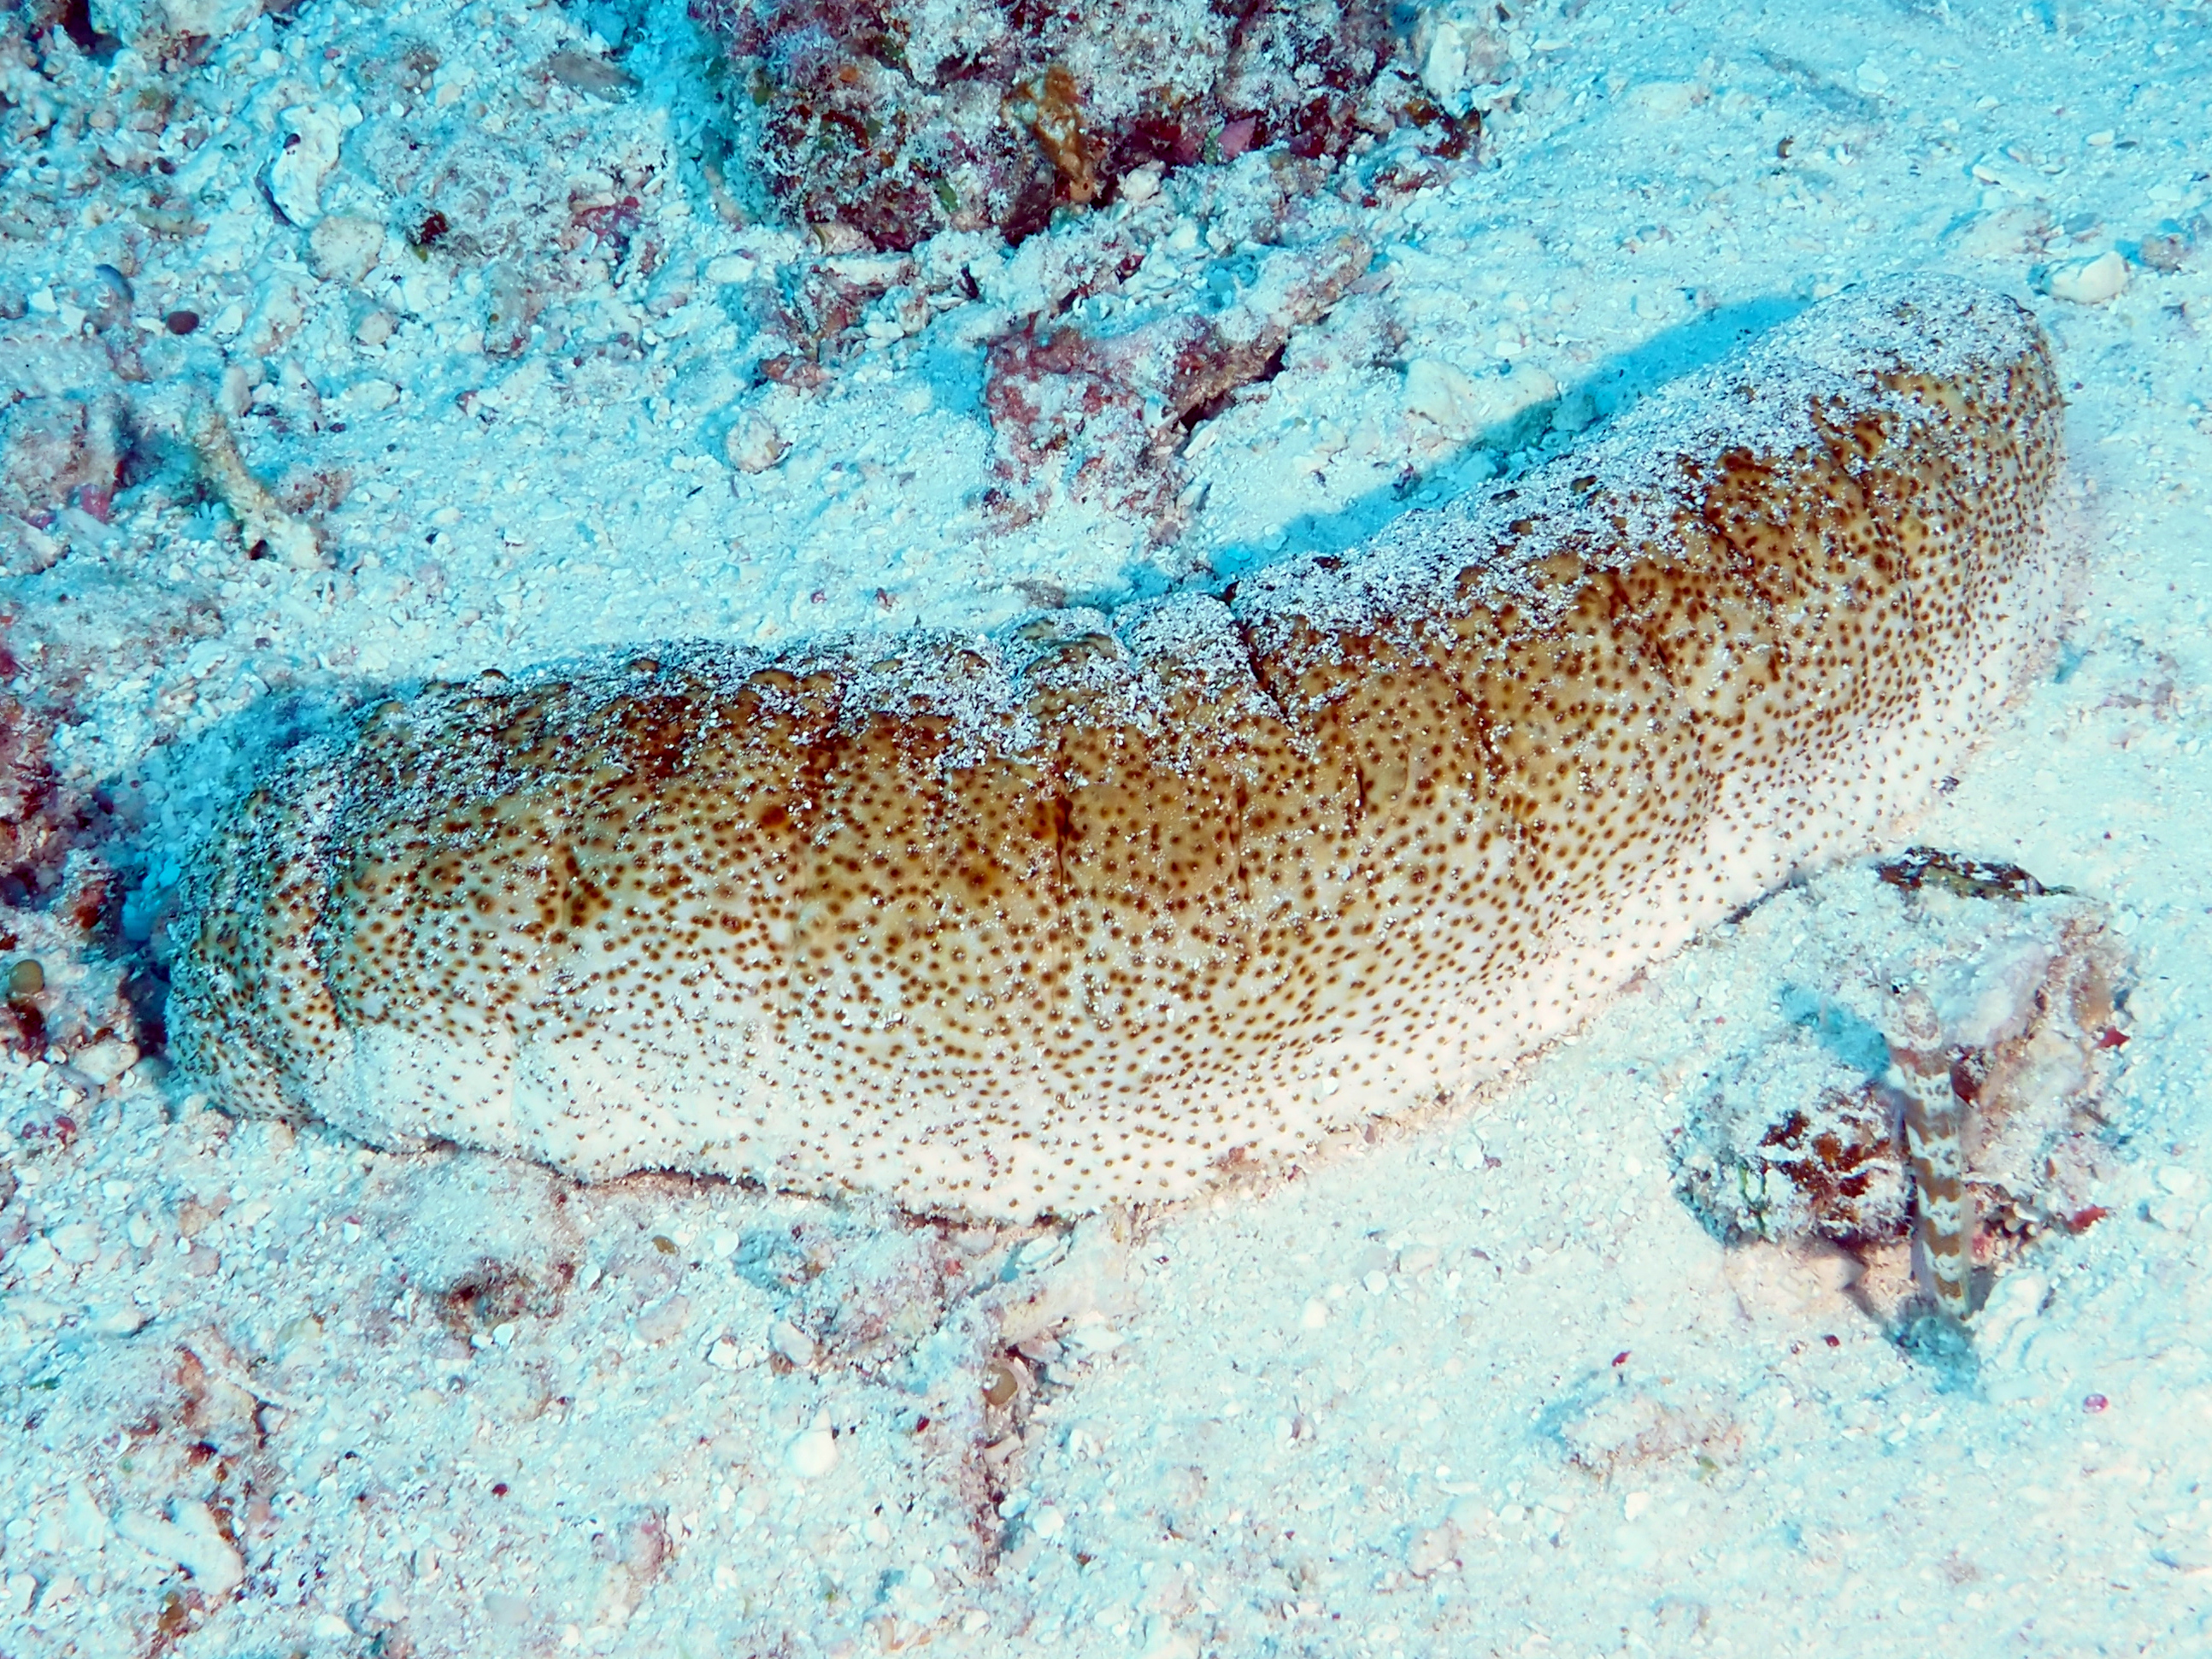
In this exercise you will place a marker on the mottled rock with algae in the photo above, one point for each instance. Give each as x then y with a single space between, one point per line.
896 120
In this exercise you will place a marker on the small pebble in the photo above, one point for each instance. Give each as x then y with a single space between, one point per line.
295 175
26 979
2088 282
103 1062
754 445
344 249
813 1454
1001 1382
181 321
1043 1252
794 1344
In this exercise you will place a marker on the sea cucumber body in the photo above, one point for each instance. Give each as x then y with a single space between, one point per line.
1087 914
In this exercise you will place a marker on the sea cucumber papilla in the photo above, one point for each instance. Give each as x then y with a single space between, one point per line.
1087 914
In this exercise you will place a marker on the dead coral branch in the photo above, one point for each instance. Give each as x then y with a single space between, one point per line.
262 521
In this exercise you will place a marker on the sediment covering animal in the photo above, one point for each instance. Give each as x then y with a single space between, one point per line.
1093 911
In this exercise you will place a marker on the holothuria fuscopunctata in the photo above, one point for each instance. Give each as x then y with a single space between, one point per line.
1092 911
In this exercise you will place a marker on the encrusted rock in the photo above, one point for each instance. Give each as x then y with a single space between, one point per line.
900 120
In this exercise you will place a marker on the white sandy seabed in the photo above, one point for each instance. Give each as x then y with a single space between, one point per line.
1486 1388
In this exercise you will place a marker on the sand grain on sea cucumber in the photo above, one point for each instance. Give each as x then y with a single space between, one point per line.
1085 913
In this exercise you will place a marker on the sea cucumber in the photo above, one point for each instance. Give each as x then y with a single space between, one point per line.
1089 913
